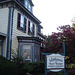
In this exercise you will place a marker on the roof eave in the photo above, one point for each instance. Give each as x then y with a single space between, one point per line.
21 5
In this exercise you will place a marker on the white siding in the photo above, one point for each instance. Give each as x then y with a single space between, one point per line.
4 20
16 32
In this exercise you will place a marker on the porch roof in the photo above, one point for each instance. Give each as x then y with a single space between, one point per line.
29 38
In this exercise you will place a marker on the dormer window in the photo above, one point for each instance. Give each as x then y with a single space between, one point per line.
28 5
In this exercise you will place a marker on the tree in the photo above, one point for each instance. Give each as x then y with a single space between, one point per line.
53 43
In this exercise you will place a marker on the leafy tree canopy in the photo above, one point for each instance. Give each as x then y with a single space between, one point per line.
53 43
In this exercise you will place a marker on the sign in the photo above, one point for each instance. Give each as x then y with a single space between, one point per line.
55 62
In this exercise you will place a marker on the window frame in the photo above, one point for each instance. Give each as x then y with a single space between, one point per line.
19 27
28 5
27 56
31 28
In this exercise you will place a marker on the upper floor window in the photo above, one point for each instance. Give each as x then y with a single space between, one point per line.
39 29
31 28
21 23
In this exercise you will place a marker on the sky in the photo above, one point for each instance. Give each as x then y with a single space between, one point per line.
54 13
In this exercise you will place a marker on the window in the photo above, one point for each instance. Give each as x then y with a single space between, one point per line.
27 52
33 30
31 27
37 54
22 22
25 20
28 5
39 29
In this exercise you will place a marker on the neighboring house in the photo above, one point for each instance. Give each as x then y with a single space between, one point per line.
20 30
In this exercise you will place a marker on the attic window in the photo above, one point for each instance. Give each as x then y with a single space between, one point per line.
28 5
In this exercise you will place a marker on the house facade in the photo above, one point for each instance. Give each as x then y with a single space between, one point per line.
20 30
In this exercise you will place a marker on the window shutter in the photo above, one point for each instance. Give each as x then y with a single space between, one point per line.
28 27
25 20
33 29
18 20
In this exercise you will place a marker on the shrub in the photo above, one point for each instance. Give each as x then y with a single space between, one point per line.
7 67
42 67
20 65
71 72
34 68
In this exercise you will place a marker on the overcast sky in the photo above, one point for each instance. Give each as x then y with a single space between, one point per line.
54 13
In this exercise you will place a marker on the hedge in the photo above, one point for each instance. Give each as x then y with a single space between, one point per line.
34 68
7 67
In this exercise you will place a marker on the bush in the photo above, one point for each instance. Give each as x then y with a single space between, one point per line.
71 72
20 65
34 68
7 67
42 67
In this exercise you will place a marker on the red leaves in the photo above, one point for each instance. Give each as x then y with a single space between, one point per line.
53 42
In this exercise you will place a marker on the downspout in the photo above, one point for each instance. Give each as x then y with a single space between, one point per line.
9 33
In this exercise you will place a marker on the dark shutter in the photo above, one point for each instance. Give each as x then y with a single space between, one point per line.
25 22
33 29
18 20
28 27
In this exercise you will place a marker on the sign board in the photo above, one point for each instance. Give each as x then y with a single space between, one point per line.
55 62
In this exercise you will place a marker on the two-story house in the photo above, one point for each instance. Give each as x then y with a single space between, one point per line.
19 30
